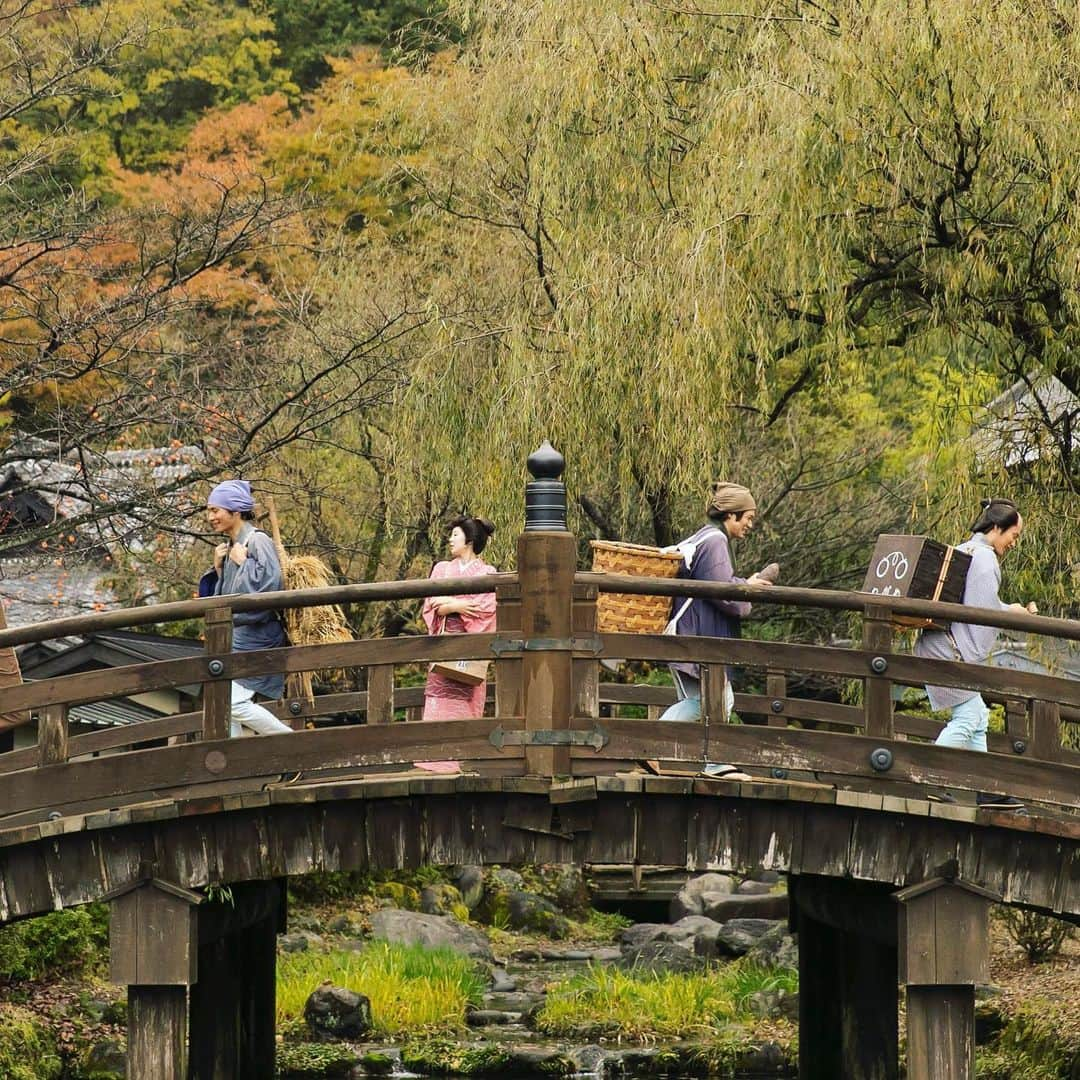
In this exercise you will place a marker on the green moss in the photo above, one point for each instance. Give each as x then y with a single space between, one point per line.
444 1057
400 895
314 1060
460 912
377 1064
27 1049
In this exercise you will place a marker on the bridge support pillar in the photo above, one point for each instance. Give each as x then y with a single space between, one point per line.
232 1004
848 987
944 940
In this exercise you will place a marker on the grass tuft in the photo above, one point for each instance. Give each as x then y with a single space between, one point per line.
604 1000
410 987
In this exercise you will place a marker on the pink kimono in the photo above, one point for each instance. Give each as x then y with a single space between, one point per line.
445 699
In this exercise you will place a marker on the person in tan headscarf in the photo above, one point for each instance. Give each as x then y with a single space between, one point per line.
731 511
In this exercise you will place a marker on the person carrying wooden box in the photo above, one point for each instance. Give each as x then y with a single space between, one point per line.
996 532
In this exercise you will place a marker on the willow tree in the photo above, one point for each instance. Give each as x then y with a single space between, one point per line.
693 238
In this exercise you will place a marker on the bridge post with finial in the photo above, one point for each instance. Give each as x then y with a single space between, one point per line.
546 559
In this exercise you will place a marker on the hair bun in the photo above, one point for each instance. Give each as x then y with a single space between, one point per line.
486 525
984 503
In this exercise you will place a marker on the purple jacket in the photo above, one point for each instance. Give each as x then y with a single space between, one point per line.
706 617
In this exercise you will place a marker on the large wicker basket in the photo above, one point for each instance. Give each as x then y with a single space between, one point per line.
623 612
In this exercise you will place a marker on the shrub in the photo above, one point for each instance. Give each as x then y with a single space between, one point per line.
1040 936
27 1050
1031 1047
61 943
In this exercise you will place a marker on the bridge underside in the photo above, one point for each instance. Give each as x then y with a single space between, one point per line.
658 821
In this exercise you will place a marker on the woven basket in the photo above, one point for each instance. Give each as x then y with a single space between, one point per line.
624 613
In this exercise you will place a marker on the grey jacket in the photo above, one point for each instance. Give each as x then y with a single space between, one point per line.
973 642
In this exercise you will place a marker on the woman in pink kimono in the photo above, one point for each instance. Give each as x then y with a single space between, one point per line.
445 699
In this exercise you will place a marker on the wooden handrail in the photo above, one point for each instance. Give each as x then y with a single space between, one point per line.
366 592
834 600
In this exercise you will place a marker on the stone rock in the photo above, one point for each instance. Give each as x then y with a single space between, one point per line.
725 908
689 899
632 937
439 899
501 982
588 1059
659 956
300 941
990 1020
530 911
332 1013
769 877
767 1059
605 956
470 884
433 931
490 1017
749 887
380 1062
739 936
775 948
538 1062
770 1004
341 924
502 880
105 1060
565 884
682 932
566 954
518 1001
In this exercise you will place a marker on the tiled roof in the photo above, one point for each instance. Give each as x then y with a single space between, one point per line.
1014 427
32 590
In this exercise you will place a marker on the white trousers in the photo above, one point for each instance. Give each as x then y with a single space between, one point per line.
247 713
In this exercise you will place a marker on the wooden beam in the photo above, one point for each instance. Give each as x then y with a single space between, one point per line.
53 735
10 675
157 1033
217 692
941 1033
380 694
877 638
546 563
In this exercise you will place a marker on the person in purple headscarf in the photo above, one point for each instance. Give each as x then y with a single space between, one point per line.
246 562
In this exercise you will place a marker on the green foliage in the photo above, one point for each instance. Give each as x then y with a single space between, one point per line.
410 988
61 943
1031 1047
323 885
606 924
27 1049
314 1060
612 1002
308 33
445 1057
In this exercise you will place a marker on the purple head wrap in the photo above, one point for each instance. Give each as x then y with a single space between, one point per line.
234 495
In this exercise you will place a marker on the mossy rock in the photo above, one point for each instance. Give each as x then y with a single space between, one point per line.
402 896
28 1050
376 1064
444 1057
315 1060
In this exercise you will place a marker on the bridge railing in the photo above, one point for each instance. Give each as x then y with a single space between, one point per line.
552 716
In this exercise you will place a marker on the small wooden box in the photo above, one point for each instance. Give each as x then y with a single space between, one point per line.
917 568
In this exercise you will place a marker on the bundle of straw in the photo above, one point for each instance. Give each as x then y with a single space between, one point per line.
309 625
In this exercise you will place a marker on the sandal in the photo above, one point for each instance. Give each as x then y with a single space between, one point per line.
720 771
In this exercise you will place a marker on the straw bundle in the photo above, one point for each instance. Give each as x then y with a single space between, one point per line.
320 625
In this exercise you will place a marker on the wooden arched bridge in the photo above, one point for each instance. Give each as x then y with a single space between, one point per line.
888 885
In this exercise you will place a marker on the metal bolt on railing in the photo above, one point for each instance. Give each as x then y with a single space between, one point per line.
216 667
881 759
